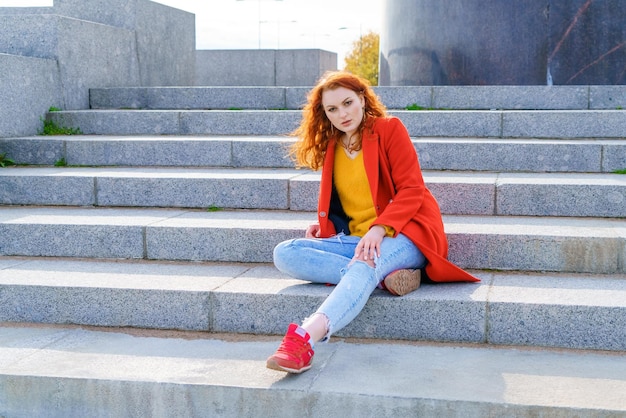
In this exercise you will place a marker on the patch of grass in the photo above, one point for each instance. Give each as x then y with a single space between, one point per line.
50 127
415 106
4 161
622 171
213 208
61 163
619 108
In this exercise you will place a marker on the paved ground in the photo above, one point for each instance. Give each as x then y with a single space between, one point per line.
426 376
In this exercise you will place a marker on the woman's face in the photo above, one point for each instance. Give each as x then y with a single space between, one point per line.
344 109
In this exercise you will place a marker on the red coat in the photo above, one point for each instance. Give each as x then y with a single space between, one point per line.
400 196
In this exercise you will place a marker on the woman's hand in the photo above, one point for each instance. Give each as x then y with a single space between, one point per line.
369 246
313 231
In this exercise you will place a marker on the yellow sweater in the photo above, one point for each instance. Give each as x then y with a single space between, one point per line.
354 192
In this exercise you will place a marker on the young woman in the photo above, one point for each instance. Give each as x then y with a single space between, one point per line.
378 224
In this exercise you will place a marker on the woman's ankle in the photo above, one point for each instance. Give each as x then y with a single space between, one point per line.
317 326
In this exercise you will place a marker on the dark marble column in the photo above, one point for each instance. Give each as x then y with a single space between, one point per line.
497 42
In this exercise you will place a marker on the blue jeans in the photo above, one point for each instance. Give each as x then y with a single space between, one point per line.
327 260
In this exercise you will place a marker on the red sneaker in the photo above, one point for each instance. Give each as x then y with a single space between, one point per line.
295 354
401 282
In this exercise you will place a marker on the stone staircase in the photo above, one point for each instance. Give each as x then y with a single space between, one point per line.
144 258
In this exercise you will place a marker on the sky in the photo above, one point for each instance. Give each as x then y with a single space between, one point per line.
332 25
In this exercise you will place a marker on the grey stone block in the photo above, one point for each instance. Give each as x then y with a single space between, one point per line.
303 67
21 30
510 97
28 87
106 60
394 98
264 305
201 98
147 295
287 300
216 98
536 244
181 151
164 36
34 150
469 154
499 310
451 123
296 97
607 97
500 243
26 10
56 232
120 122
45 187
460 124
116 307
443 312
224 98
463 194
224 236
117 13
148 151
564 124
509 155
263 67
118 98
458 193
402 97
96 241
166 44
242 122
558 312
194 189
261 152
562 195
224 68
303 192
614 156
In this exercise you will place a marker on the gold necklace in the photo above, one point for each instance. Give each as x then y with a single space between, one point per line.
350 144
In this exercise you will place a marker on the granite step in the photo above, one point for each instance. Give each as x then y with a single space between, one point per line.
68 371
429 97
559 244
575 311
453 153
458 193
437 123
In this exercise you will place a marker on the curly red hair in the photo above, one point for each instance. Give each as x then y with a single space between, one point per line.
315 130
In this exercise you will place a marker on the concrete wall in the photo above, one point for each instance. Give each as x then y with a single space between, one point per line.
262 67
28 87
166 43
88 44
88 54
165 37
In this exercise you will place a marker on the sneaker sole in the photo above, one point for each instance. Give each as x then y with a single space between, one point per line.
271 364
402 282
